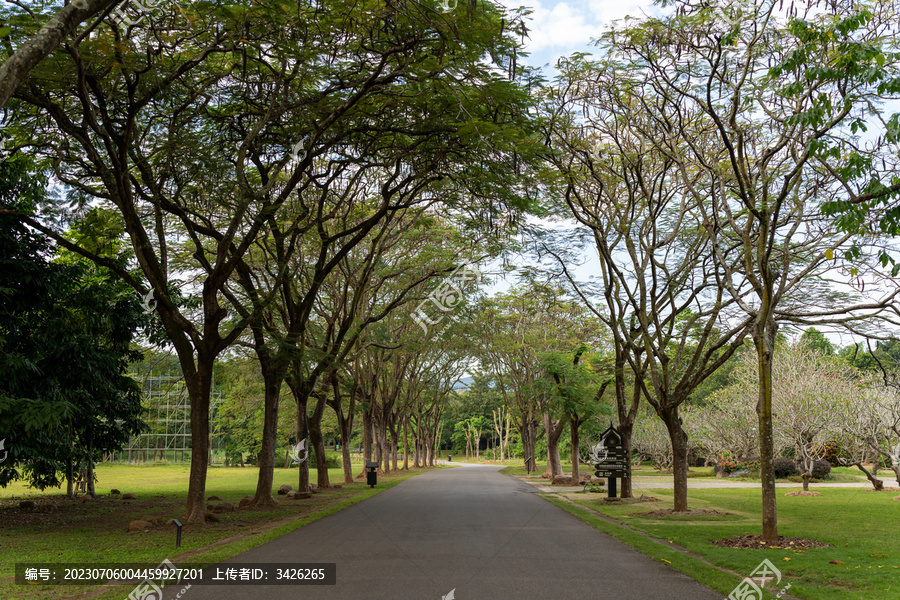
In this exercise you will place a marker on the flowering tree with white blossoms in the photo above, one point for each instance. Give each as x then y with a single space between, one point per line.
727 426
870 429
858 425
810 392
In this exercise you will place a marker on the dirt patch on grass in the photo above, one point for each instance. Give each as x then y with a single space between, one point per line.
884 489
782 543
112 514
641 498
671 512
802 493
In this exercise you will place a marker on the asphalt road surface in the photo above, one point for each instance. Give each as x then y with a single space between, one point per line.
467 530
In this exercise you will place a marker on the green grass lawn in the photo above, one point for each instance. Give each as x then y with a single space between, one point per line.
96 531
860 526
838 474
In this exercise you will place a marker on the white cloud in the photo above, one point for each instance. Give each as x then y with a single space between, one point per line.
556 29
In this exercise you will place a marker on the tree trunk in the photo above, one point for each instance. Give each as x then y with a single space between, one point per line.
626 410
625 430
70 479
90 464
573 431
896 469
317 441
376 443
526 429
199 386
764 340
302 434
553 432
406 443
395 442
345 424
877 484
272 379
367 437
417 443
678 439
383 446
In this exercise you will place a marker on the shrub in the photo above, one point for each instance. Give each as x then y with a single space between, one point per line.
785 467
729 465
595 488
726 465
821 469
830 451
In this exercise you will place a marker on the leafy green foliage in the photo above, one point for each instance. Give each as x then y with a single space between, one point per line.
65 345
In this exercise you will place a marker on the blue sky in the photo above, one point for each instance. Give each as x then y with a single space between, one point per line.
560 28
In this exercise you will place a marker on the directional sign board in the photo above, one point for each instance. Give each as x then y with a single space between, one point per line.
612 460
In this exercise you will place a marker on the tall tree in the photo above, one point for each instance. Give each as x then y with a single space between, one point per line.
665 306
341 84
66 335
756 115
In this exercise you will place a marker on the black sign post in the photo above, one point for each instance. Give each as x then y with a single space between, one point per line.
613 461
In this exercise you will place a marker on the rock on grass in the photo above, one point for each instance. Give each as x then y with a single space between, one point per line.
222 507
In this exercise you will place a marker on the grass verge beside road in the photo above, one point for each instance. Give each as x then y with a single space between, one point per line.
95 531
857 523
838 474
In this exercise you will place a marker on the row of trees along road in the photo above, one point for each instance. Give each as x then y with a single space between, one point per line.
275 171
246 150
700 152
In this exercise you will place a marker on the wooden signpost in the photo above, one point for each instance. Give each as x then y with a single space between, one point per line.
612 460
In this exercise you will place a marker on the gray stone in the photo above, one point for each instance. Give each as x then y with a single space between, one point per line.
284 489
129 497
214 497
211 518
222 507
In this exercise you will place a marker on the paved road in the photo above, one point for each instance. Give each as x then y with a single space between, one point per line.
468 529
